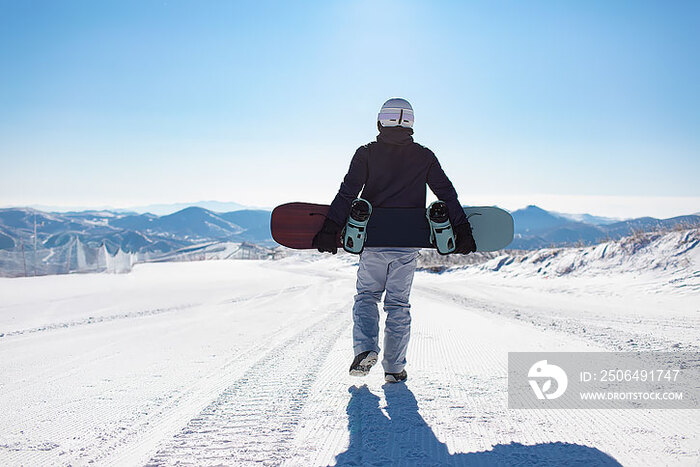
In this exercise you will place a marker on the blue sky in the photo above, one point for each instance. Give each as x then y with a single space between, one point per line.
567 104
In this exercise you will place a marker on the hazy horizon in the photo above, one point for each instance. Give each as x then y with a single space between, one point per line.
612 207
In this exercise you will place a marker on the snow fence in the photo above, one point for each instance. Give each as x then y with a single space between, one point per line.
75 256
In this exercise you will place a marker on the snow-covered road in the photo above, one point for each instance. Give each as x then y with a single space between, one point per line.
234 362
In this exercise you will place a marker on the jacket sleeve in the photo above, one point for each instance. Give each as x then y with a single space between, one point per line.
350 187
443 189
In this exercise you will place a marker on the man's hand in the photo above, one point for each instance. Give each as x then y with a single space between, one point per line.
465 240
326 240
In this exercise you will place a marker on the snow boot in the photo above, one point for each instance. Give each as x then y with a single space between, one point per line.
363 363
396 377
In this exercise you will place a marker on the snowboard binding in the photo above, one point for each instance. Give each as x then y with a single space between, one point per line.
442 236
355 230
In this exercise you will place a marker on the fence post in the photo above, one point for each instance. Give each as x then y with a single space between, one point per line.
35 244
24 259
70 250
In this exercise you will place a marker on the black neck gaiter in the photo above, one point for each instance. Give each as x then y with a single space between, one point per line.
395 135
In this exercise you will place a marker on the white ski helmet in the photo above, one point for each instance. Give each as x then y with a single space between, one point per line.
396 112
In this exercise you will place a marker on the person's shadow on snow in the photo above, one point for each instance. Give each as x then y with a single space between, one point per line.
402 437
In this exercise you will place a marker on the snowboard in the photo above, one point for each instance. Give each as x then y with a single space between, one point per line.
294 225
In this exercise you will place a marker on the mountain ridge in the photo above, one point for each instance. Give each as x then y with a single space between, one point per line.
132 232
537 228
146 232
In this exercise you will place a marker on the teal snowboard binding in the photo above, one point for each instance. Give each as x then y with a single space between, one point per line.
441 234
355 230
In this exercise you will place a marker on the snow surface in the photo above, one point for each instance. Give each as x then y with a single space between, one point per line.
235 362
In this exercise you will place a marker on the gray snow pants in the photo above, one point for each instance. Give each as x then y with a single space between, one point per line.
380 270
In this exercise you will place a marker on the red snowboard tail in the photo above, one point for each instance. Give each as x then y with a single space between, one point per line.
294 225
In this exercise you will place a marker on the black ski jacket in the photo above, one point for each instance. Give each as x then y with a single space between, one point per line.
394 172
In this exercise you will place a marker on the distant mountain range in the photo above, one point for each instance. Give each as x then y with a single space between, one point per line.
537 228
587 218
148 232
133 232
158 209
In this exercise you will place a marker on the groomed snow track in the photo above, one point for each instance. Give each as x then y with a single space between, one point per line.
245 363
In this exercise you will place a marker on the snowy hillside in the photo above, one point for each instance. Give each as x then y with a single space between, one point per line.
235 362
677 251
